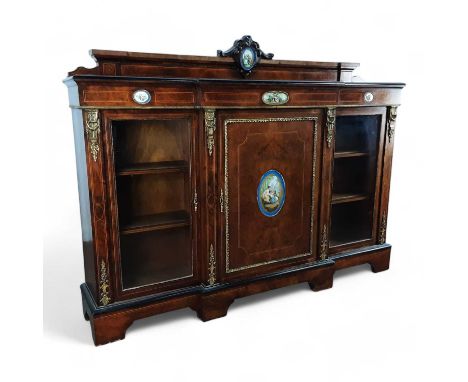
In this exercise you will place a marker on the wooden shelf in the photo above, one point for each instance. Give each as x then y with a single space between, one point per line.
173 219
347 241
346 198
154 168
350 154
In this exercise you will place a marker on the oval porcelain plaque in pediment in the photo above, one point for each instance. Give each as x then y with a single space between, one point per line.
275 97
271 193
247 58
141 96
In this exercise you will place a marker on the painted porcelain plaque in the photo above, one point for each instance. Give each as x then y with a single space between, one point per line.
275 97
247 58
271 193
141 96
368 97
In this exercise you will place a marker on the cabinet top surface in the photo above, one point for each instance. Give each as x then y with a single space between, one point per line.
226 66
100 55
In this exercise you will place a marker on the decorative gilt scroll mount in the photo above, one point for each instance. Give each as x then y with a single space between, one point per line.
211 266
324 243
92 131
195 201
383 229
221 201
210 128
392 114
104 285
331 119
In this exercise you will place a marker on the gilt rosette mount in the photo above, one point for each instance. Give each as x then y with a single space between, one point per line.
246 53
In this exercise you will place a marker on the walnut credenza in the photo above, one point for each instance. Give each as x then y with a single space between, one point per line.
206 179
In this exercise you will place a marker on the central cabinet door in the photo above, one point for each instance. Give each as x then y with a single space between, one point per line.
269 189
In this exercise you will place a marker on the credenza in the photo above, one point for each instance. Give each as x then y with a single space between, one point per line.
206 179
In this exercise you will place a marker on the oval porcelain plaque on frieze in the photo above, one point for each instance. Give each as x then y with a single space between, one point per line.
271 193
141 96
275 97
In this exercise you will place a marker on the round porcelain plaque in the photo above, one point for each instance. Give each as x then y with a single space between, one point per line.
141 97
368 97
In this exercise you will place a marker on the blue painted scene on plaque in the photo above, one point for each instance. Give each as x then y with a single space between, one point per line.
271 193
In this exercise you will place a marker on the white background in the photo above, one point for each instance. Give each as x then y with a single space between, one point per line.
405 324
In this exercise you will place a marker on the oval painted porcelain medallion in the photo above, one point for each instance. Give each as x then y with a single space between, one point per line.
271 193
141 96
247 58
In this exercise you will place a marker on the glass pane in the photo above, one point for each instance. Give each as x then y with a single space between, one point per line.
140 142
357 133
350 222
153 257
153 192
354 175
141 196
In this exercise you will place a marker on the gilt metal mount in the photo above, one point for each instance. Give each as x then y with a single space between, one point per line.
210 128
392 114
104 285
211 266
92 131
383 229
324 243
331 119
195 201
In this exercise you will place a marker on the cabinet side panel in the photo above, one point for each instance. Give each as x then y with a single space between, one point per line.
85 211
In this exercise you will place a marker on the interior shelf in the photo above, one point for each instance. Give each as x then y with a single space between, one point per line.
345 198
350 222
155 256
345 240
155 222
350 154
154 168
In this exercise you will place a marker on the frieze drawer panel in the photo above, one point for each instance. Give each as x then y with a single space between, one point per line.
207 179
265 97
369 96
127 95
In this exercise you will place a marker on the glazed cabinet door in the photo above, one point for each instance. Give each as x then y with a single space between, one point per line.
268 187
153 200
353 173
